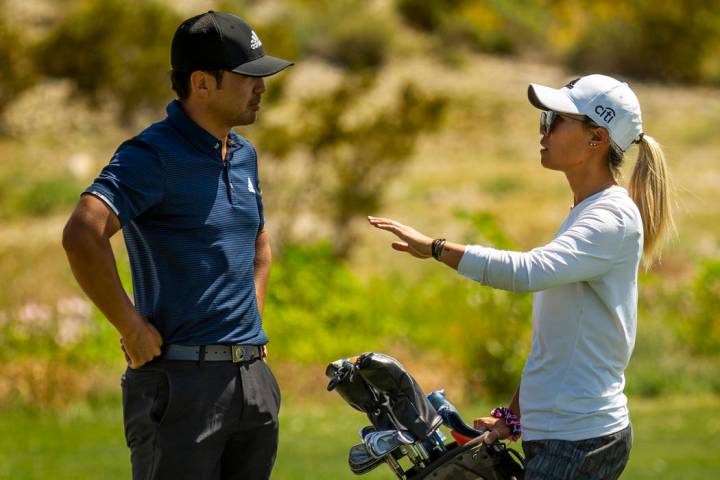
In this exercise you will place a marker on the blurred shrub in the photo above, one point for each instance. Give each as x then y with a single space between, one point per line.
16 69
48 195
502 186
358 44
671 373
318 310
21 196
482 25
427 15
484 229
70 331
53 354
665 40
484 333
355 155
345 33
701 330
113 49
489 26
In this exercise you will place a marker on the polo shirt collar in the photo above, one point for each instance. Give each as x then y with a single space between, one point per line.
197 135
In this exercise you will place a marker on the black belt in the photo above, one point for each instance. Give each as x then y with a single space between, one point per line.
213 353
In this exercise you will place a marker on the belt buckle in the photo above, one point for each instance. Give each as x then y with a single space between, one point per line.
237 353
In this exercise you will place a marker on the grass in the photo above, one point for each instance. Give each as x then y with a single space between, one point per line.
674 438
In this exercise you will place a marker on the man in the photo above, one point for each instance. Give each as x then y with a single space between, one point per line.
199 401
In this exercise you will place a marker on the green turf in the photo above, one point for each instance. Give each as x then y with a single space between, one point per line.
674 439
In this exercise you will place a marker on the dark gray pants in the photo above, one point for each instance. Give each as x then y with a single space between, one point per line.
201 421
601 458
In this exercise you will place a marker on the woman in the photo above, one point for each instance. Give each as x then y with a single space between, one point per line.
570 402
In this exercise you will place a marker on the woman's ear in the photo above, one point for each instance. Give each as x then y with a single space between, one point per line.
599 136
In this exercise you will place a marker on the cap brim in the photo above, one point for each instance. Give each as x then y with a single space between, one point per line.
546 98
262 67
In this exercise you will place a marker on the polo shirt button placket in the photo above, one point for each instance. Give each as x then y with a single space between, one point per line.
228 166
216 147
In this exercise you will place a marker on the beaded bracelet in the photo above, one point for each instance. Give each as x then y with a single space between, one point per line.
510 419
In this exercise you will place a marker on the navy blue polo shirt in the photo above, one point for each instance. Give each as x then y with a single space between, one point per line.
190 221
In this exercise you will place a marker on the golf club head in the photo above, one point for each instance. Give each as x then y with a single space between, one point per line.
405 437
365 431
360 461
382 443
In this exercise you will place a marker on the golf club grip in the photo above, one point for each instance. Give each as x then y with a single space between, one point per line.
453 420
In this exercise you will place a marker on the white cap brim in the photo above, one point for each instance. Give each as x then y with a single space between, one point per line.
546 98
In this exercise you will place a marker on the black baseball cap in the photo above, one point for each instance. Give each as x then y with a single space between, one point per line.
221 41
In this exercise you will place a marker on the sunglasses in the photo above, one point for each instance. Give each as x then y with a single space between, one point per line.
547 120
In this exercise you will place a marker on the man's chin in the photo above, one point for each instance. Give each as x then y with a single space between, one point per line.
246 119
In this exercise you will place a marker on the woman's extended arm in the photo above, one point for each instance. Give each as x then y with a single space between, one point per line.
586 250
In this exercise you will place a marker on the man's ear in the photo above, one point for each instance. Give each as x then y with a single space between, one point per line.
200 83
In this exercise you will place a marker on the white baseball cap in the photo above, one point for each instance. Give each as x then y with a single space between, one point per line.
608 102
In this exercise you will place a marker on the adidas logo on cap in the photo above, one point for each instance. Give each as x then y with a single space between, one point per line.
255 41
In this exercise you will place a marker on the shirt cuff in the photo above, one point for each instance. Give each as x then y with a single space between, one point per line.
104 199
473 264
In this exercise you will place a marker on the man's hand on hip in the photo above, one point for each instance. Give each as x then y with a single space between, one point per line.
141 344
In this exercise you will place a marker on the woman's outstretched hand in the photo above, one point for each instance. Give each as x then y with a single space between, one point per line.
413 242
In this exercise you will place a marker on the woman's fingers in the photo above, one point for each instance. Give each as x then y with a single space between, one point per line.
385 226
495 429
413 242
400 246
480 424
390 226
404 247
491 436
385 223
379 220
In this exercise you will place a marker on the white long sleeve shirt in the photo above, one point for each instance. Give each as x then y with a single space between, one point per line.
584 316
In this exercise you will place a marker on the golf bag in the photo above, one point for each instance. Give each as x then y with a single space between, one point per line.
405 426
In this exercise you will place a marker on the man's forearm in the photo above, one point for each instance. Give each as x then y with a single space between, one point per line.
93 264
263 262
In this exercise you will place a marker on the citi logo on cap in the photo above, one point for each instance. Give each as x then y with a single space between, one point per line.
255 41
606 113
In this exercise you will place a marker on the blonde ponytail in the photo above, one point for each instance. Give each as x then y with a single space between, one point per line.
650 188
